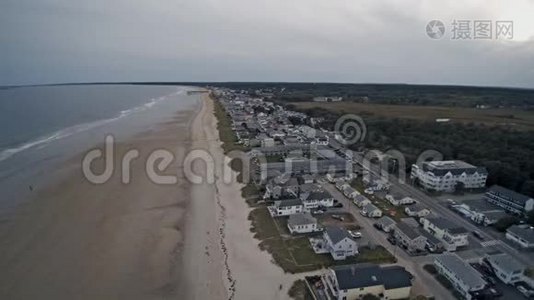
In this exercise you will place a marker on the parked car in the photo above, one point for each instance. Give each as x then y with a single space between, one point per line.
338 217
478 235
391 239
526 292
338 205
355 234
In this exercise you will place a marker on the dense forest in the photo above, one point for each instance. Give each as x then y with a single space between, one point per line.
508 155
463 96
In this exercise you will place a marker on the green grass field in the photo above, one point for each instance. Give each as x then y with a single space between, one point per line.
514 118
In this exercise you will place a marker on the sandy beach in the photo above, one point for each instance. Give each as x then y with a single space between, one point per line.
222 259
77 240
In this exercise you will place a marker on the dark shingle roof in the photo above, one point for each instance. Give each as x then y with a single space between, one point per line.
407 230
447 225
456 167
526 233
365 275
509 195
336 234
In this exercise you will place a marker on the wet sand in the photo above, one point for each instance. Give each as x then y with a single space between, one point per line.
77 240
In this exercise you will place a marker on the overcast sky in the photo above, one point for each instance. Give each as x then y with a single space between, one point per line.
54 41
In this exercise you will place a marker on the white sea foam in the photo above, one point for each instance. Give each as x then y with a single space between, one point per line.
63 133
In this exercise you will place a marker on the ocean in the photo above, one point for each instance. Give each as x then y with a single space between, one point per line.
41 127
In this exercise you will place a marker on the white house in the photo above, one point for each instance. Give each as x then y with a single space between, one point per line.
445 176
506 268
386 223
350 192
371 211
361 201
464 278
339 243
409 238
522 235
315 199
302 223
417 210
398 199
448 233
351 282
286 207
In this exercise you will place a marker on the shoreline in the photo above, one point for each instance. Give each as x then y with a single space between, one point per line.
77 240
242 256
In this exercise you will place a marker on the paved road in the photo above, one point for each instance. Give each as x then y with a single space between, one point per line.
445 212
423 283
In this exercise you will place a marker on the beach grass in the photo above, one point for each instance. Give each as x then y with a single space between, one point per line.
294 253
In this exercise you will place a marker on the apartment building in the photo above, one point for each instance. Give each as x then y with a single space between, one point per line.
445 176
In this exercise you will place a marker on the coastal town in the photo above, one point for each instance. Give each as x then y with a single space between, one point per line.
331 215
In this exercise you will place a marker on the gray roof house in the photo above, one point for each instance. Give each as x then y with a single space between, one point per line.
302 223
509 200
386 223
339 243
522 235
449 233
464 278
409 238
361 200
506 268
358 280
315 199
417 210
371 211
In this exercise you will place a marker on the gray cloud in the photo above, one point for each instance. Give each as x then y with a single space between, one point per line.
46 41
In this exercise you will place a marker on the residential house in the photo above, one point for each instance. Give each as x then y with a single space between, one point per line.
463 277
267 142
339 243
409 238
450 235
506 268
341 184
509 200
286 207
522 235
351 282
302 223
417 210
350 192
272 191
361 201
371 211
316 199
306 178
447 176
399 199
480 211
386 223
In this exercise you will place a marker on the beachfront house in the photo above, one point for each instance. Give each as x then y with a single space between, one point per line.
286 207
302 223
337 242
316 199
352 282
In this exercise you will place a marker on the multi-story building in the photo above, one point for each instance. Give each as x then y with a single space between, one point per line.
445 176
509 200
339 243
522 235
352 282
506 268
448 233
464 278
